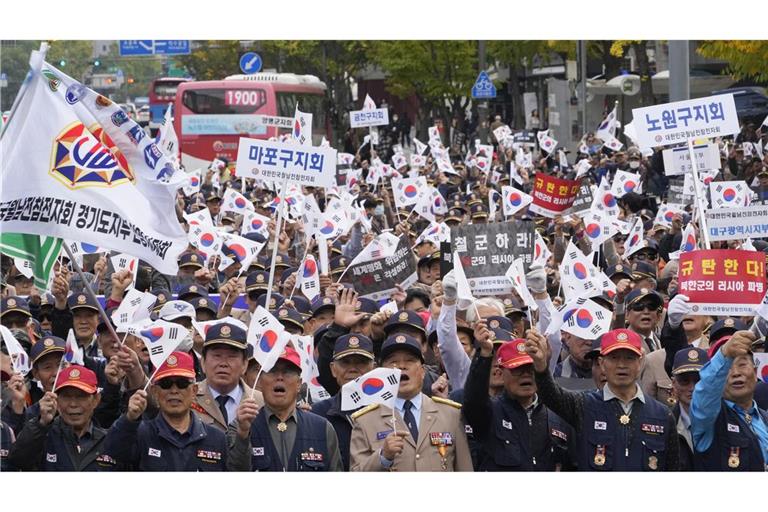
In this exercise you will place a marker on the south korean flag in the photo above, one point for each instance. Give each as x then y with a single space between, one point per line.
379 386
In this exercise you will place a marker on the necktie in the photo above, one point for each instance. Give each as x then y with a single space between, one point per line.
222 401
410 420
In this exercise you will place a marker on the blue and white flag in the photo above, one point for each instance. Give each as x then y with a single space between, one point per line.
378 386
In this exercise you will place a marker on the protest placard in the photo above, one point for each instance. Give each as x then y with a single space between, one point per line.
553 196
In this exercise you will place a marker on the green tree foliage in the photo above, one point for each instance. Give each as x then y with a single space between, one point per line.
746 59
14 62
213 60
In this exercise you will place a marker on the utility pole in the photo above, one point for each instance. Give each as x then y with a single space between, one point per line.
679 71
482 107
582 52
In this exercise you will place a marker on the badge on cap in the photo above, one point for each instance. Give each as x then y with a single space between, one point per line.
622 337
282 312
358 305
327 300
193 289
48 342
225 330
693 355
172 360
400 339
259 278
203 302
11 303
74 374
728 322
403 317
81 299
494 324
193 258
619 268
643 290
521 347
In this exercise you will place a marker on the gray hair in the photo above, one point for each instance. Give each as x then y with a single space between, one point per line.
489 302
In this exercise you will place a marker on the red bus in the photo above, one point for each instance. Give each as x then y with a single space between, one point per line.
211 116
162 93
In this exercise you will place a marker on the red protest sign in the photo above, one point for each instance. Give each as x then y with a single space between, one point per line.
552 196
722 281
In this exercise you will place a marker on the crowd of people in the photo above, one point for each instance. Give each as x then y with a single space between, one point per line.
482 388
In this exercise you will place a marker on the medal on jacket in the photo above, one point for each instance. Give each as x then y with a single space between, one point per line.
441 440
748 418
653 463
282 427
624 419
600 455
733 459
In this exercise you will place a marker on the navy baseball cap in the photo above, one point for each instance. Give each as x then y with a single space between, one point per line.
47 300
275 301
400 342
281 260
721 331
404 318
338 265
258 280
366 305
192 290
204 303
302 305
619 270
191 259
162 298
500 322
15 304
500 336
643 270
689 359
350 344
289 316
82 301
319 303
45 346
226 334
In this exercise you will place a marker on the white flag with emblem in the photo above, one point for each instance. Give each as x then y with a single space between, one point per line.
76 166
379 386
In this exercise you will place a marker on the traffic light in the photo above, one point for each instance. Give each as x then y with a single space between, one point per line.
109 80
62 63
130 80
96 63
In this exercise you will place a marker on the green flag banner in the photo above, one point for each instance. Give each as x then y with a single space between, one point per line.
42 251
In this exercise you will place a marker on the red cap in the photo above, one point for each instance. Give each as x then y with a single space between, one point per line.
79 377
621 339
512 354
178 364
291 356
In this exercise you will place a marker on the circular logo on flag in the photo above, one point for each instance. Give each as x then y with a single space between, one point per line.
372 385
629 186
194 181
668 215
690 243
88 248
310 267
764 373
579 270
206 240
153 334
257 224
515 199
238 251
296 129
410 191
634 240
327 228
583 318
609 200
593 230
729 194
240 202
267 341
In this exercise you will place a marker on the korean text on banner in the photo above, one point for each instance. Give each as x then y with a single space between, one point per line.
673 123
366 118
275 161
722 281
376 279
737 223
678 160
487 251
553 196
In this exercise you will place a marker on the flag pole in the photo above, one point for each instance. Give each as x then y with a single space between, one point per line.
698 194
278 228
89 291
301 265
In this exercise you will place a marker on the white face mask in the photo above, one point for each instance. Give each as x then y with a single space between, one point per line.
634 164
379 210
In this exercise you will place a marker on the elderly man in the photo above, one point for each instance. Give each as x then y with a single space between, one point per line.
176 439
69 441
429 434
685 374
280 436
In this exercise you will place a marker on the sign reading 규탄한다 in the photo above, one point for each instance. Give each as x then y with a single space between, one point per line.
310 166
722 281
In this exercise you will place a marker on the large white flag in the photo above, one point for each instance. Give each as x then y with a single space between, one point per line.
76 166
268 338
19 358
378 386
607 128
167 140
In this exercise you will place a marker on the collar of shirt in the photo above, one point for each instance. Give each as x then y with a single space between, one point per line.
608 394
416 401
236 394
685 418
271 413
529 410
741 412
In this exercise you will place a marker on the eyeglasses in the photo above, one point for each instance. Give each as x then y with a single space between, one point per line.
42 317
642 307
180 383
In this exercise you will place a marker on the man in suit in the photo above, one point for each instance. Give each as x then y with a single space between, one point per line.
224 363
428 433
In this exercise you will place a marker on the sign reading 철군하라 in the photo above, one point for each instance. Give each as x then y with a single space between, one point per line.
487 251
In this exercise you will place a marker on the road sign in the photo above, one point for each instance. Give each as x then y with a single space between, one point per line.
3 80
119 73
136 47
483 88
150 47
250 63
172 47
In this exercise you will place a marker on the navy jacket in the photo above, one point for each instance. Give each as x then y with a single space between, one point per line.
734 447
310 449
330 409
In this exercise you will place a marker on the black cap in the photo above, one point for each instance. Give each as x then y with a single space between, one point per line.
302 305
404 318
258 280
350 344
163 296
724 327
319 303
191 259
226 334
594 351
400 342
429 258
45 346
212 196
275 301
500 322
643 270
281 261
190 291
479 211
82 301
689 359
338 264
366 306
289 316
15 304
619 270
204 303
